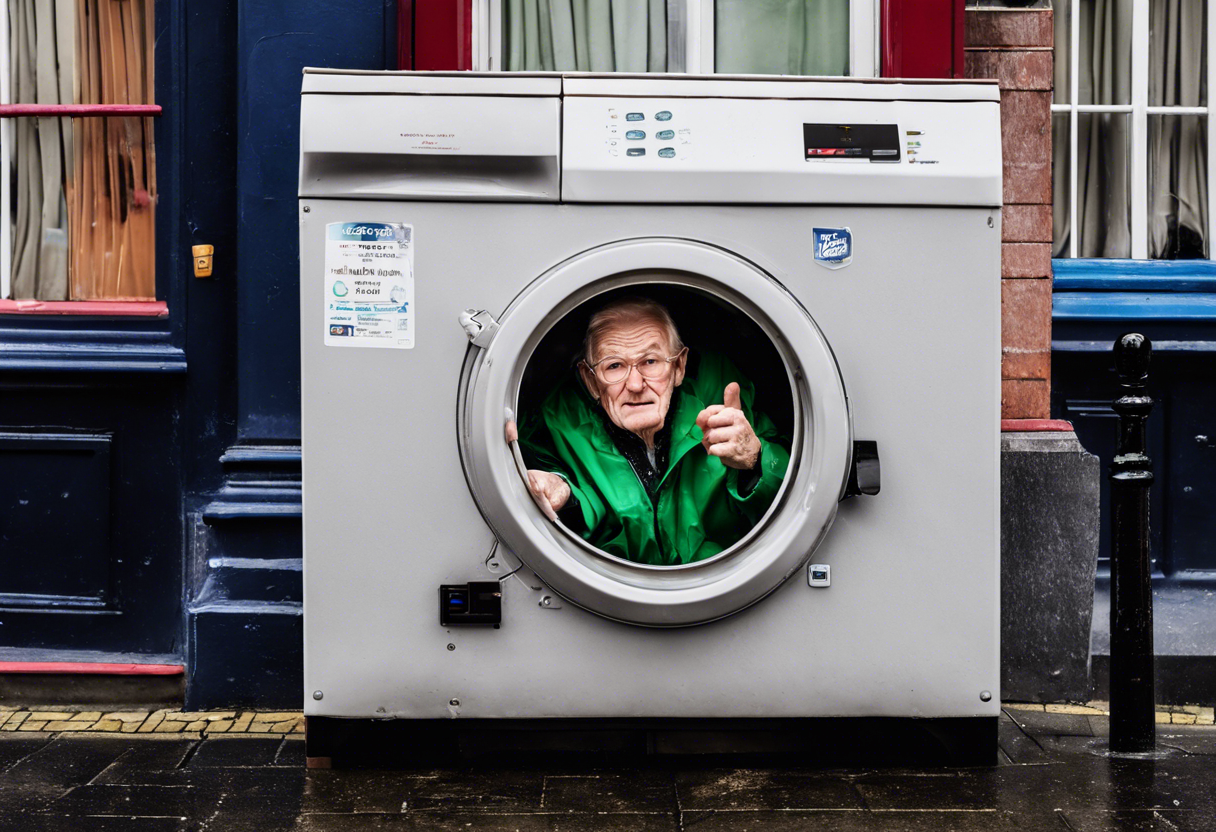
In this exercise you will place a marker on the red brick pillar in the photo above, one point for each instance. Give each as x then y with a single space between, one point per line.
1014 46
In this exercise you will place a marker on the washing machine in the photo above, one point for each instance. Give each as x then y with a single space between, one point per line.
839 239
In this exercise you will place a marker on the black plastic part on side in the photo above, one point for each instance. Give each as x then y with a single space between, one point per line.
477 602
832 742
865 477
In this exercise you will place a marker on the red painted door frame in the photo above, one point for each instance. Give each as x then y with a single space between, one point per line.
435 34
920 38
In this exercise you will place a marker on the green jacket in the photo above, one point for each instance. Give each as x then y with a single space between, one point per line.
697 509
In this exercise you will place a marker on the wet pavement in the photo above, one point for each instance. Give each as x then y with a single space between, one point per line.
1052 776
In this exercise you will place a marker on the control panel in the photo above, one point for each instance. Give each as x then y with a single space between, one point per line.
642 132
639 148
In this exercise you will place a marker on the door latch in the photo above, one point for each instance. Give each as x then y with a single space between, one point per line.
479 326
202 260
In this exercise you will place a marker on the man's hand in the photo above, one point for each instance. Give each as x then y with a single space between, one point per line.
726 432
549 490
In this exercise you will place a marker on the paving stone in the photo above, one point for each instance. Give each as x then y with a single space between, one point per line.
169 727
1072 709
127 716
47 716
291 754
284 727
635 791
752 789
195 716
854 820
14 721
134 801
259 728
505 822
1059 724
55 769
242 722
353 792
276 716
87 716
142 760
497 790
197 725
14 749
219 727
149 724
1163 718
107 725
63 823
32 725
224 752
70 725
1182 719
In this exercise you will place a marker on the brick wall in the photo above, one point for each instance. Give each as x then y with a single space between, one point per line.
1014 46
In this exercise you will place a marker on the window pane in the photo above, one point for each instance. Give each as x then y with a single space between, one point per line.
1060 185
1106 51
585 35
1177 187
1103 207
1062 40
782 37
1177 57
84 190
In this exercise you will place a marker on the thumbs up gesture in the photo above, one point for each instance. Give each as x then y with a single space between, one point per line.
727 434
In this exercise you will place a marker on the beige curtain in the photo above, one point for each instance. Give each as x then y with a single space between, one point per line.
585 35
41 49
1177 162
782 37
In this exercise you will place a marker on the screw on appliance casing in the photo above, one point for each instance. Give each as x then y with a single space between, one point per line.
455 703
546 601
985 696
316 694
306 209
991 221
451 646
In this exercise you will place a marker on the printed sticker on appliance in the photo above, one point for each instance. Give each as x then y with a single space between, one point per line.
369 285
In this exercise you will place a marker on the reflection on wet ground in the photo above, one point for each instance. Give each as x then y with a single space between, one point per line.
1051 776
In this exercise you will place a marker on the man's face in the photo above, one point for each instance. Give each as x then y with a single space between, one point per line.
636 404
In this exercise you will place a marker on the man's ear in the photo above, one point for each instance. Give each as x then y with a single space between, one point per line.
589 380
681 365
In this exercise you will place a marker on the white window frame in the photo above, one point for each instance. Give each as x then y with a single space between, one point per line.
698 36
1139 111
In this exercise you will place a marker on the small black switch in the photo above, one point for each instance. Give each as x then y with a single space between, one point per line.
477 602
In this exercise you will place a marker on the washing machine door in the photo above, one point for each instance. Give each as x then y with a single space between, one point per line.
656 596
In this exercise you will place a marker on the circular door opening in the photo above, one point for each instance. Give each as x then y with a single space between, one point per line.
675 508
713 285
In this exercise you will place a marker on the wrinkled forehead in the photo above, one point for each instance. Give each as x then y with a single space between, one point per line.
631 338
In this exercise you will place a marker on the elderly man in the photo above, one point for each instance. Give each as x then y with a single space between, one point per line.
639 458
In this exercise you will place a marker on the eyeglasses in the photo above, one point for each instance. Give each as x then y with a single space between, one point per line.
614 370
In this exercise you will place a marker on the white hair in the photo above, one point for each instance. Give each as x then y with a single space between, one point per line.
627 311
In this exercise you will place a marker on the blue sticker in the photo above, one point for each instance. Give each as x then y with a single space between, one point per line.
635 135
833 247
635 117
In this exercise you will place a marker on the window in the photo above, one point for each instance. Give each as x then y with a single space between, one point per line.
784 37
1132 165
78 193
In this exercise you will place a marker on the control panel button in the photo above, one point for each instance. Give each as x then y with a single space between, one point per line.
665 135
635 117
663 115
634 135
667 152
636 151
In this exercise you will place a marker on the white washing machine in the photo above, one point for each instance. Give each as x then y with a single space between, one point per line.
453 228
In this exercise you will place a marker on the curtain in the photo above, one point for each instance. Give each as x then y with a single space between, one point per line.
1104 141
585 35
41 49
782 37
1177 160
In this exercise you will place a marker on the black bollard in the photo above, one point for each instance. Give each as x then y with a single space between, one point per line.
1132 703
